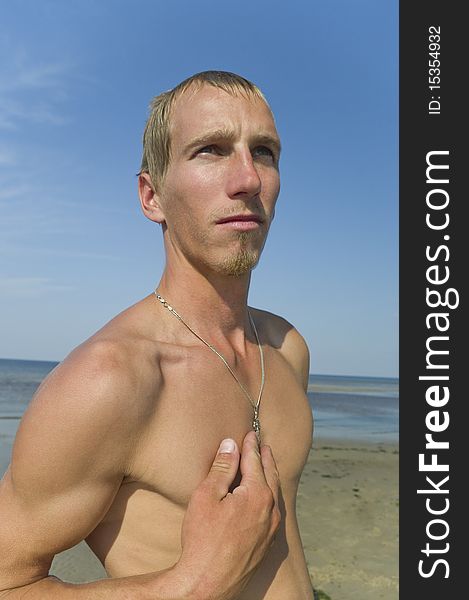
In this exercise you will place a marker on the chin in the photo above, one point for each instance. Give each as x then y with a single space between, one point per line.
240 264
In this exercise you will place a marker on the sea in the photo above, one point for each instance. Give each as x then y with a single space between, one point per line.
344 407
354 408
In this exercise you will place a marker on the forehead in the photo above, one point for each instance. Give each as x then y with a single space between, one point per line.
200 110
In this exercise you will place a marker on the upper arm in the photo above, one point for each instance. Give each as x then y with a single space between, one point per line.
297 353
69 458
292 346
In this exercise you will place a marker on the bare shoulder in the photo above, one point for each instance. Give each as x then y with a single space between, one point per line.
102 391
80 416
118 365
284 337
99 377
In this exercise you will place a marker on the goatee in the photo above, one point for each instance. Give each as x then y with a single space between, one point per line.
243 262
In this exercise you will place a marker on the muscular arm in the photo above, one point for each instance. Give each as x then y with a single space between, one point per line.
70 455
74 447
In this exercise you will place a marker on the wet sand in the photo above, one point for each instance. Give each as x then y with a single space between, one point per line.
348 506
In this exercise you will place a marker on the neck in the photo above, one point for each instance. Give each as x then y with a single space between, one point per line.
214 304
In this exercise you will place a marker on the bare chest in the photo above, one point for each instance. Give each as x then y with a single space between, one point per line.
197 405
200 403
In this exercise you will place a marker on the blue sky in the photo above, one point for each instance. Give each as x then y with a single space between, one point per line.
76 79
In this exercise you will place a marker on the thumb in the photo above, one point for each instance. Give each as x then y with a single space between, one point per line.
224 468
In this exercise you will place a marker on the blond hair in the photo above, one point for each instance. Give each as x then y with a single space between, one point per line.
156 136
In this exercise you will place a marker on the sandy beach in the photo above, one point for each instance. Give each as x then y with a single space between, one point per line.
348 514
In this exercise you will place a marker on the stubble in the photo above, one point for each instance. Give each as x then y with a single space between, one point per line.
243 261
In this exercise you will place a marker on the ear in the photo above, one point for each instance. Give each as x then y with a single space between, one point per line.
149 199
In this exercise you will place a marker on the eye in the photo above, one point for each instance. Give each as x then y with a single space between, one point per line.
263 151
211 149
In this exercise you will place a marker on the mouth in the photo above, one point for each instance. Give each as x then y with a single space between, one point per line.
242 221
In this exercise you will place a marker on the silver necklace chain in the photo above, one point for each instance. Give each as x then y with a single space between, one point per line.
255 405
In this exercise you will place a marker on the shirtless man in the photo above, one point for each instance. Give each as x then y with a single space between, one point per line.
118 444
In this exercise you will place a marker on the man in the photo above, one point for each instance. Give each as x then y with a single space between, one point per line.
117 446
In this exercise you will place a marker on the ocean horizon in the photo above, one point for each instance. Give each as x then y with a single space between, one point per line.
345 407
324 378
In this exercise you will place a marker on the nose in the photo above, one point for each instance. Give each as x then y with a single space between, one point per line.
244 179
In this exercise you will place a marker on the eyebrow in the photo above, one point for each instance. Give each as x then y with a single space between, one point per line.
229 135
210 136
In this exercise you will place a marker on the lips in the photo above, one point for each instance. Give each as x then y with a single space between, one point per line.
242 218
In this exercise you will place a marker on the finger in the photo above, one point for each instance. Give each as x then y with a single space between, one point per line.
270 471
224 468
251 464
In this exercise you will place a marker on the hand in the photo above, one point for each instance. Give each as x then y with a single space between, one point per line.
226 534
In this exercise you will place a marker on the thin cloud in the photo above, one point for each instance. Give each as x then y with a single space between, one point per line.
14 111
7 157
30 287
26 77
29 227
13 191
31 92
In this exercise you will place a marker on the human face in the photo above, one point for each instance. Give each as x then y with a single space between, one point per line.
219 193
